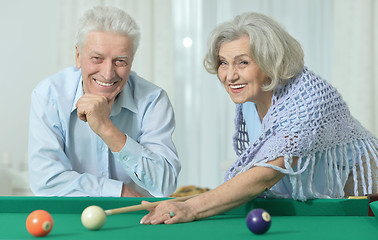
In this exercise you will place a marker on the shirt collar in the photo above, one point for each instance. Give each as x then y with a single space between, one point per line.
125 100
79 93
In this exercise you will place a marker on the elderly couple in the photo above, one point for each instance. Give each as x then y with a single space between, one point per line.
98 129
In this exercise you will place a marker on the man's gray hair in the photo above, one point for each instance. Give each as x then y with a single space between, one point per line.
107 19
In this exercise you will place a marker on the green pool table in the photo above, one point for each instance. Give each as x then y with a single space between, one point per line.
315 219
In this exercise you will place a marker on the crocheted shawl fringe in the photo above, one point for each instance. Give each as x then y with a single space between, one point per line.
303 141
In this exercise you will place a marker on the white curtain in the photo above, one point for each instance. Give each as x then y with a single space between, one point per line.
355 63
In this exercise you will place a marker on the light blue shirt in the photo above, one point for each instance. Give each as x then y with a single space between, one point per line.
252 120
66 158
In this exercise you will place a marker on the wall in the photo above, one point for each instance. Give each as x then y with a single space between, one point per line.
28 45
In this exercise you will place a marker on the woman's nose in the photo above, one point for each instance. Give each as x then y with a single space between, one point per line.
232 74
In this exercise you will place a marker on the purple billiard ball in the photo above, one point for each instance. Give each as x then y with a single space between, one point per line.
258 221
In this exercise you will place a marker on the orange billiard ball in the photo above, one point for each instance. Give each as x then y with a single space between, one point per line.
39 223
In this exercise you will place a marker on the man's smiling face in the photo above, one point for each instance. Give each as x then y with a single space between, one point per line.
105 61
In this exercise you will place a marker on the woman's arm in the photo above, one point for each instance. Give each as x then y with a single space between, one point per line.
233 193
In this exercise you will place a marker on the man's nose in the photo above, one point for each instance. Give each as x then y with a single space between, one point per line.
108 70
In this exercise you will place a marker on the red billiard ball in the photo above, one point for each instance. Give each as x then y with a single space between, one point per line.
39 223
258 221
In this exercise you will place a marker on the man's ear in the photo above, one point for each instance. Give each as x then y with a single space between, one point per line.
77 57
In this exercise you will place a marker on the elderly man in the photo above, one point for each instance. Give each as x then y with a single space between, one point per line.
98 129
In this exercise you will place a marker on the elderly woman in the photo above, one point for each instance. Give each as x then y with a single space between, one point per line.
295 137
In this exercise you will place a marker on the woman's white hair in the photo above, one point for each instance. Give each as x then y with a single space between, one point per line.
277 53
107 19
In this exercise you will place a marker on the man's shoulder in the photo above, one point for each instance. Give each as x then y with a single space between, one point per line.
139 83
62 81
143 92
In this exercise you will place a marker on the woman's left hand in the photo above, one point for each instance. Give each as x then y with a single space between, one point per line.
169 213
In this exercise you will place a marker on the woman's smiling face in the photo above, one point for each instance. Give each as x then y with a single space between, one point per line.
239 73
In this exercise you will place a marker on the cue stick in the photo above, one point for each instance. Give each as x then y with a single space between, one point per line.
143 206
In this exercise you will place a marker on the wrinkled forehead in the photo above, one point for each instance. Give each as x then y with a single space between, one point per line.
101 40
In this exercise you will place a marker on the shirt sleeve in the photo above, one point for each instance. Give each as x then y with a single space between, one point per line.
151 160
50 170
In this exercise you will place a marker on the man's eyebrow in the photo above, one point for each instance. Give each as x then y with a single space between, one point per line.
122 57
97 53
102 55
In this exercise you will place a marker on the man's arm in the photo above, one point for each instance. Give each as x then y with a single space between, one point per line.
151 160
96 110
50 169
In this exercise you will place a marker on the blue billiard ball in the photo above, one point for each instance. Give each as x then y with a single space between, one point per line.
258 221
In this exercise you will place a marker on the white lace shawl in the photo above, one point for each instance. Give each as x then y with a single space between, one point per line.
308 118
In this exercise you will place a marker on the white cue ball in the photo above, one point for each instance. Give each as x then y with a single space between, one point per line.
93 218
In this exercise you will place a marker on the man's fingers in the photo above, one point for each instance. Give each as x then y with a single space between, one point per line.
82 116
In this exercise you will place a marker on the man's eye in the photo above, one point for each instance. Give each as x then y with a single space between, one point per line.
96 60
120 63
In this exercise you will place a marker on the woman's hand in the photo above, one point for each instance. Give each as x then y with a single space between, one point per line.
169 213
